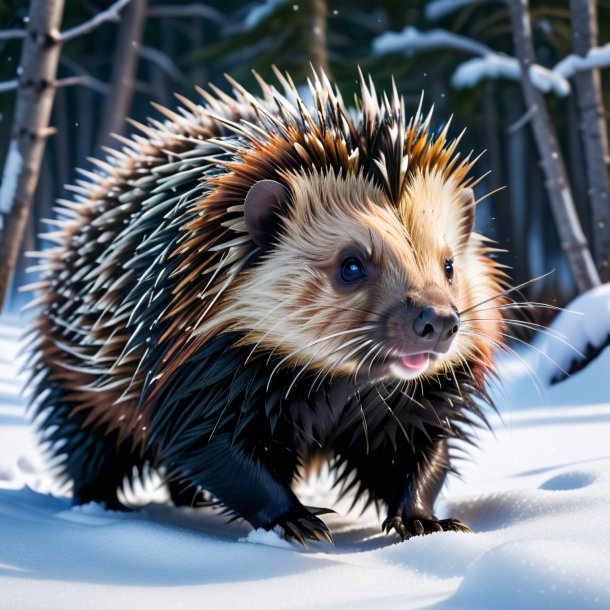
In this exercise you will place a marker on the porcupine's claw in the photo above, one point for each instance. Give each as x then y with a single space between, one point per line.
407 527
305 525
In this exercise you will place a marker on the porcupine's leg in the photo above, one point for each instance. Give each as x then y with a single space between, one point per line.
96 465
408 481
241 476
411 504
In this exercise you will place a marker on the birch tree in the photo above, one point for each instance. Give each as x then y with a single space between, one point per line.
36 77
593 131
36 85
573 241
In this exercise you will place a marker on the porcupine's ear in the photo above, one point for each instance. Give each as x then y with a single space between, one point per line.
261 206
467 205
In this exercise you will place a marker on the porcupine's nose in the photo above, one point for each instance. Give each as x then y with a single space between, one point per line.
436 328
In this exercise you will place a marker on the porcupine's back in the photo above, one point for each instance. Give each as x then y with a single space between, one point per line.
112 253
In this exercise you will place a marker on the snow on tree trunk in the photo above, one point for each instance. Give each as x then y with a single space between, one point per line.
593 131
37 72
125 65
573 241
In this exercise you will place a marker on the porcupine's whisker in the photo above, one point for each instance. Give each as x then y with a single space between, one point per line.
372 360
535 327
505 292
309 321
398 386
335 350
513 353
526 305
278 323
348 309
322 374
311 344
367 311
400 424
362 361
349 355
538 351
365 426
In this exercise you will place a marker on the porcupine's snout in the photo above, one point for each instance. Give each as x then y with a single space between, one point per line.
420 334
435 329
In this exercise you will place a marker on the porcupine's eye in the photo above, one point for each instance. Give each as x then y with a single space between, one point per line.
449 269
352 270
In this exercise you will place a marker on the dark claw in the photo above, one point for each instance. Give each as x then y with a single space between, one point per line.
406 527
301 526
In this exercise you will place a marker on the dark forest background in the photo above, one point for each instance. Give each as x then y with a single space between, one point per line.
198 45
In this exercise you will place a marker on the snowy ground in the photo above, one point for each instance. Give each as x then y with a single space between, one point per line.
537 494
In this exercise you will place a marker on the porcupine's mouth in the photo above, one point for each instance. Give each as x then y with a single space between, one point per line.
410 366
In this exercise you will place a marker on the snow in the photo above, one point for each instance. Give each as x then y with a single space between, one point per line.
437 9
10 178
259 12
536 493
487 65
598 57
494 65
411 39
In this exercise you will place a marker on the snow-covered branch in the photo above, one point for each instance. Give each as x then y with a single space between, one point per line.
494 65
112 13
411 40
9 85
437 9
487 65
259 12
598 57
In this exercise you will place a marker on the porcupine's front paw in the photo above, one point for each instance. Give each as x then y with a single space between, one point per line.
302 524
408 526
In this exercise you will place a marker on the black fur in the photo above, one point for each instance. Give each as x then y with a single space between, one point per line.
218 427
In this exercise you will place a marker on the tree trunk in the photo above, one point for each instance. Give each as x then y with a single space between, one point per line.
593 131
125 65
573 241
37 74
315 34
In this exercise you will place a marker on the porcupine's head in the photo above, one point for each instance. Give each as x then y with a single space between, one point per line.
355 284
366 262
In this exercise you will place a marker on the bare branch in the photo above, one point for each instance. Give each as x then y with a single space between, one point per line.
9 85
189 11
11 34
163 61
523 120
85 80
112 13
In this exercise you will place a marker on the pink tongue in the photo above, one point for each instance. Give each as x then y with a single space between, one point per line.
417 361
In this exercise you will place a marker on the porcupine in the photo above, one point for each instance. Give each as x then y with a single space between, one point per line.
256 281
